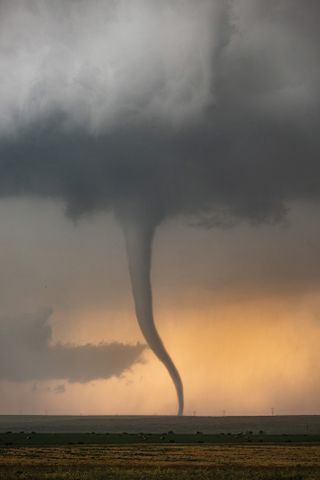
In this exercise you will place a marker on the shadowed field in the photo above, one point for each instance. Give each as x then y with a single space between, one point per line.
276 425
114 448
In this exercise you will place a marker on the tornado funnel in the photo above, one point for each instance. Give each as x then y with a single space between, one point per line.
139 236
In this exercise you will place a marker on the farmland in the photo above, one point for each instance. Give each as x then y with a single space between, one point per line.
272 425
67 455
97 462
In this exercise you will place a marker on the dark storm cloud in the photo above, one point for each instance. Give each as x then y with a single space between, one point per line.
27 354
208 108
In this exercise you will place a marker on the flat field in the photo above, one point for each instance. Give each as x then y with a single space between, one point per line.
163 462
277 424
49 448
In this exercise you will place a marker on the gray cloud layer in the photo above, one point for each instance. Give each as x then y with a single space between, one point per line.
208 108
26 354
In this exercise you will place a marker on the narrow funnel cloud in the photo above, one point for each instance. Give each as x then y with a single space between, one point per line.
139 232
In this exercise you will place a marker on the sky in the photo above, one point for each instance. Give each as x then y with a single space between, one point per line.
184 130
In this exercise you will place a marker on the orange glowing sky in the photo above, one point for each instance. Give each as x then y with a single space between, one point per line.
238 312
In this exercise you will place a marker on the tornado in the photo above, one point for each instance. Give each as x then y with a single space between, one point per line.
139 233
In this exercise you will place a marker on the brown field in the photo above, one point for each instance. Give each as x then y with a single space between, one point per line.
272 462
165 456
111 448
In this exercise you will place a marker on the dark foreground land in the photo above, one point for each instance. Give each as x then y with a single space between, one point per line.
278 424
243 455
